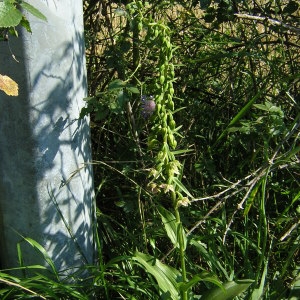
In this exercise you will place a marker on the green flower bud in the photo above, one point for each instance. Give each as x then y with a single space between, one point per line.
152 143
160 99
171 105
162 79
140 26
172 124
158 107
172 140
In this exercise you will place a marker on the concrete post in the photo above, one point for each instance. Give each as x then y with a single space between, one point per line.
45 192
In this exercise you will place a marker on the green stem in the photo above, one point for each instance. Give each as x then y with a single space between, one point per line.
135 43
184 294
136 64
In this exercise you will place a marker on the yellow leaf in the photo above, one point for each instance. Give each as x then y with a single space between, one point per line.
8 86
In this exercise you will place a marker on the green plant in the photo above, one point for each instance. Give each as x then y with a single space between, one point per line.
232 78
165 184
223 140
10 17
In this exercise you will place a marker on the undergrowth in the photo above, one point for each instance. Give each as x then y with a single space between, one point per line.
199 195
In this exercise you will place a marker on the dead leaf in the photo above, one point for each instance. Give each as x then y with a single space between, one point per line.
8 86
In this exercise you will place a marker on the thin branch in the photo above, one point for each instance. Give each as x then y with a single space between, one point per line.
218 194
271 21
213 209
240 205
288 233
234 185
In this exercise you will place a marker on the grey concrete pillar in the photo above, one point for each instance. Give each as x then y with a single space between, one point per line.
45 191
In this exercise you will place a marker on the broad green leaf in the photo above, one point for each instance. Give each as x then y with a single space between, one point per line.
169 222
203 276
25 23
229 290
116 84
262 107
10 16
166 276
117 105
132 89
31 9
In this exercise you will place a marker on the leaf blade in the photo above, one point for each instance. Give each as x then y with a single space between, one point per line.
169 222
10 16
230 290
35 12
166 276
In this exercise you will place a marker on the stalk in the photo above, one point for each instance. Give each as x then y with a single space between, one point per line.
184 294
162 138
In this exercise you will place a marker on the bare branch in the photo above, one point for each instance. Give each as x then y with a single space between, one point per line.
271 21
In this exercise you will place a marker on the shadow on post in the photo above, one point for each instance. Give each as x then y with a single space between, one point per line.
46 185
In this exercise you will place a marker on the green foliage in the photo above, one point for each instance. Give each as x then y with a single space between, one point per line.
11 16
38 281
209 181
111 101
201 199
166 277
228 291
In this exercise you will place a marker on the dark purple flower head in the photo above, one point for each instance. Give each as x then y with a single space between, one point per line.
148 106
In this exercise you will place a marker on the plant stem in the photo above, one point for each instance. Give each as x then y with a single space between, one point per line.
184 294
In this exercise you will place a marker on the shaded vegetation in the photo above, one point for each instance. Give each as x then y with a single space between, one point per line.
205 191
